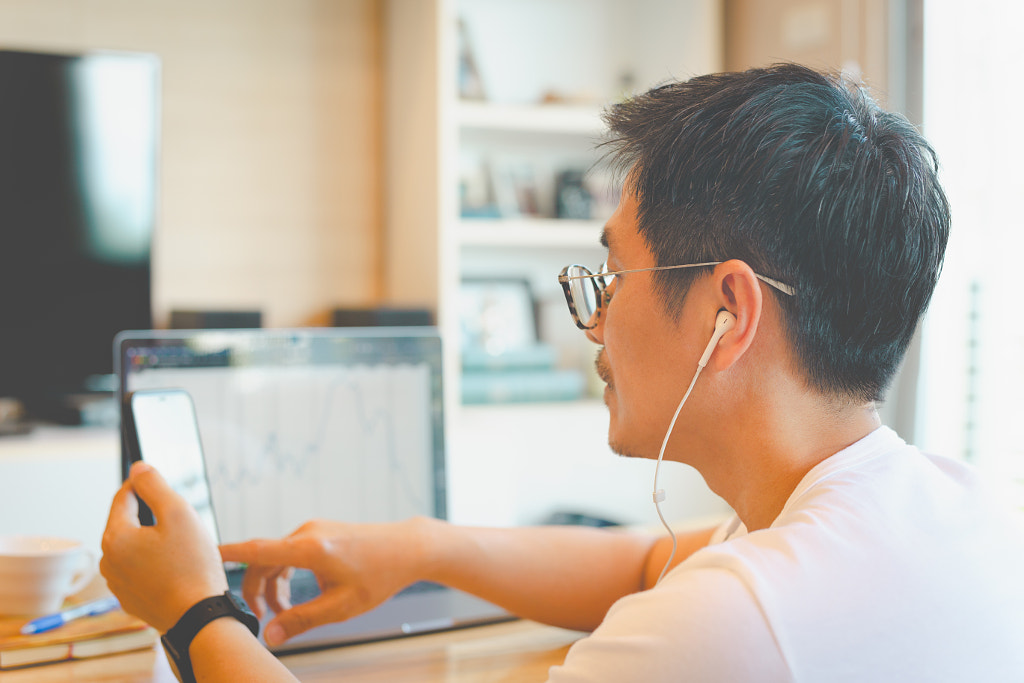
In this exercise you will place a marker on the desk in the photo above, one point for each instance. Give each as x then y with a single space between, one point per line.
510 651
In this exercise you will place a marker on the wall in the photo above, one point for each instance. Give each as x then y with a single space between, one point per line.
876 41
270 169
851 35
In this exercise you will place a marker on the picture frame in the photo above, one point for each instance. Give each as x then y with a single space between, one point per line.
516 189
497 314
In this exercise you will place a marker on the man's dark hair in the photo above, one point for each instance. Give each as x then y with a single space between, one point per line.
802 176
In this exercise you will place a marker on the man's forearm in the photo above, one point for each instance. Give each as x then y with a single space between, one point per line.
564 576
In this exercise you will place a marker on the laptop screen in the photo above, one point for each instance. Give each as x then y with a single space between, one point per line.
337 423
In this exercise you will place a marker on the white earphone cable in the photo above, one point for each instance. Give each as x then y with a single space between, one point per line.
659 494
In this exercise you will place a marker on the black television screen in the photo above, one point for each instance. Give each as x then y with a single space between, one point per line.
78 196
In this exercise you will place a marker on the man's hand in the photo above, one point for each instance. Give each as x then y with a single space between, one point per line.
358 566
158 572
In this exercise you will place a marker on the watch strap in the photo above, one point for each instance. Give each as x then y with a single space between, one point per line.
179 637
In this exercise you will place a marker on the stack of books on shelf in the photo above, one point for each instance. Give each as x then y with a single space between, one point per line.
517 375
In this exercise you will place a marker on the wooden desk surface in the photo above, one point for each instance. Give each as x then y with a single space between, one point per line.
511 651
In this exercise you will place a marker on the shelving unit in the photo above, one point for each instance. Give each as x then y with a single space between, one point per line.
540 233
583 53
530 118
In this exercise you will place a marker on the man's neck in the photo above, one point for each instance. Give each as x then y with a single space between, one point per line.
765 466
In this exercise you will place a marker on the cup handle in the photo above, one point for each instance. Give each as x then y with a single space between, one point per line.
90 566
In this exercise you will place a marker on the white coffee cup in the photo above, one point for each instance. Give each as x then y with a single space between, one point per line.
38 572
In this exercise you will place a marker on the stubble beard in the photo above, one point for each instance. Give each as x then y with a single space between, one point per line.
605 373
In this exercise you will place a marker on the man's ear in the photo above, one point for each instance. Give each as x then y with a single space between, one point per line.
739 292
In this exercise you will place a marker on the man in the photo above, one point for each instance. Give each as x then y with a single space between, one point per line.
777 241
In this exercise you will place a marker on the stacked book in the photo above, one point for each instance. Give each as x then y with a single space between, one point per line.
519 375
96 636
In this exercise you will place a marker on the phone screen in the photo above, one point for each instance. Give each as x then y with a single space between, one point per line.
167 436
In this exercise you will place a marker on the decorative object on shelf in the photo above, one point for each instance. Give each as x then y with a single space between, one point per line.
557 97
515 189
525 184
471 86
517 375
572 197
476 191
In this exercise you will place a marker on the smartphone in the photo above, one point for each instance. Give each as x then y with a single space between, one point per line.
160 428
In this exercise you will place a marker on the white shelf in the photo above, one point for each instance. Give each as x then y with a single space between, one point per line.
590 408
530 232
539 118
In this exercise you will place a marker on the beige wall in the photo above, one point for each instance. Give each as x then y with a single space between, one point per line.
271 150
852 35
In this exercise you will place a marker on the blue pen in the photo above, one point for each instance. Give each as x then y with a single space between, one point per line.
52 621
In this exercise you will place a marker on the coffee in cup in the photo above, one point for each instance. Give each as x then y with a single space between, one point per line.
38 572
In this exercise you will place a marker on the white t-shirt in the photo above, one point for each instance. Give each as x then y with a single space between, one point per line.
884 565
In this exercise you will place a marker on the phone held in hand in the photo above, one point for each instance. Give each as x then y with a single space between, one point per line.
160 427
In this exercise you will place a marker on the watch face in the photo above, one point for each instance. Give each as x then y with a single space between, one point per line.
245 615
238 603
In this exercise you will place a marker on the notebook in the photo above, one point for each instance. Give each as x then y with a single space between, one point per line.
335 423
105 634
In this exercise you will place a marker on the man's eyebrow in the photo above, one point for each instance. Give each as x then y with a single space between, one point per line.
604 237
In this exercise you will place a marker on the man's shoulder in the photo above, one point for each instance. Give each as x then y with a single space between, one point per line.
916 538
872 514
701 621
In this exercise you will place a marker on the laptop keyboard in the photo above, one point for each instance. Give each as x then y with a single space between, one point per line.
305 587
421 587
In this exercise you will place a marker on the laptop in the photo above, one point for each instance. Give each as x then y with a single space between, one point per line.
335 423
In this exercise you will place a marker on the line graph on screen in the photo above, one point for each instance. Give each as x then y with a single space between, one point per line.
287 444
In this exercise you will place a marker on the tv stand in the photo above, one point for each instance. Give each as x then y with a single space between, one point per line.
89 409
14 428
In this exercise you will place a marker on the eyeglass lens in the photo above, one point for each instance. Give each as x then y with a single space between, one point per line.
586 296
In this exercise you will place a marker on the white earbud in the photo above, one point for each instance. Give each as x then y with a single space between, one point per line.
723 323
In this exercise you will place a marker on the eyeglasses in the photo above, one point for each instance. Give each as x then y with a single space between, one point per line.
586 293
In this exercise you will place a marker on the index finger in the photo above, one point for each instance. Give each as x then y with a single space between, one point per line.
266 552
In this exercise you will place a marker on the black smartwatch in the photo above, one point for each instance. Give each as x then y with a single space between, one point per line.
178 639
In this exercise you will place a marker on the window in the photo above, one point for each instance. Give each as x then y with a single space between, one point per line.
971 391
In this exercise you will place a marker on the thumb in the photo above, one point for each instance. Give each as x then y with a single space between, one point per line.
152 488
124 510
298 619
